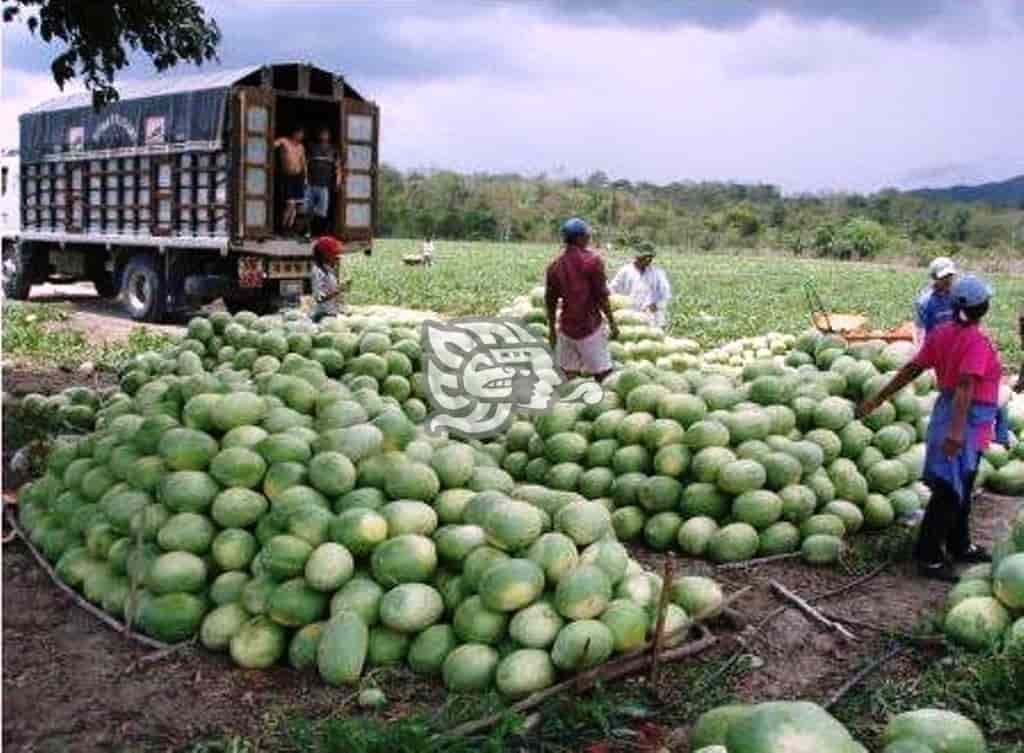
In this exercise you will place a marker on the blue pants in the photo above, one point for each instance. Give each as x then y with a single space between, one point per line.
318 201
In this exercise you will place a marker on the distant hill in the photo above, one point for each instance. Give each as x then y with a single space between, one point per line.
1006 193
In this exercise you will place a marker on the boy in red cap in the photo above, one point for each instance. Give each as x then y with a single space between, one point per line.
326 251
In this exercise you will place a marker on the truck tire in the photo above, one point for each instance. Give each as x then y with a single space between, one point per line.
144 290
16 271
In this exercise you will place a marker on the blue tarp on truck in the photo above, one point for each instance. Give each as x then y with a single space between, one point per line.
184 111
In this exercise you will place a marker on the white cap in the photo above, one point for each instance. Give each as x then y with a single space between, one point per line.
941 267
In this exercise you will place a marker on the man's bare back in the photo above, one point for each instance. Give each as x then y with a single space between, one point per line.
293 156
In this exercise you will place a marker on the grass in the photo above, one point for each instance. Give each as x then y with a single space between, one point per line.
716 297
42 333
566 724
865 553
987 688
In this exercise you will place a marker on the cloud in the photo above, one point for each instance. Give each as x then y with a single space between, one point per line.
20 91
810 95
361 36
881 15
843 109
895 18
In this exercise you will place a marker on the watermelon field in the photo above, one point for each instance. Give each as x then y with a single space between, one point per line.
716 297
241 535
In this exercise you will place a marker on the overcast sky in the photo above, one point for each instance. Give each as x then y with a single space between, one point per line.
809 94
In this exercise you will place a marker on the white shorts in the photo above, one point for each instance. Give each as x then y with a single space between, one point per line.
589 355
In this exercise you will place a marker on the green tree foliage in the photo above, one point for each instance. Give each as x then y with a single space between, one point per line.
99 35
689 216
860 238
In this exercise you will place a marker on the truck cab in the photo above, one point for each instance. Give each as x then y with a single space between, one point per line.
10 204
174 196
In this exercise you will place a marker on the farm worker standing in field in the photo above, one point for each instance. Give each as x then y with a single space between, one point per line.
646 284
934 305
293 165
968 371
326 287
577 280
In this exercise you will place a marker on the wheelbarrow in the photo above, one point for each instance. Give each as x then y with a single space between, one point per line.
851 327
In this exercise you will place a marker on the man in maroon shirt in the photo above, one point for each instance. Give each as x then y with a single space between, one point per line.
577 280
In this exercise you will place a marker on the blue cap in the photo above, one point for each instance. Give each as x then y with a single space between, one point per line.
574 227
970 291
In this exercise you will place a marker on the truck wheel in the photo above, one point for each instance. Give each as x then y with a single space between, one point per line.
16 272
144 290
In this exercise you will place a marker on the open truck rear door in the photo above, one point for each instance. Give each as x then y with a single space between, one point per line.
254 156
357 198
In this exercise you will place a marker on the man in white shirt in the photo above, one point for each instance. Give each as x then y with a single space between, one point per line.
645 284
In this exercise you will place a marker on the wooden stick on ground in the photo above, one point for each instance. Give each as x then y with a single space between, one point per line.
851 585
70 592
161 654
666 589
735 596
924 640
759 561
827 594
610 671
810 611
847 686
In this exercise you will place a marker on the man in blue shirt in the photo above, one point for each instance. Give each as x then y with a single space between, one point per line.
934 304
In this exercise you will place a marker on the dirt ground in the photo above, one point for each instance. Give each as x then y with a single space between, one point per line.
101 318
98 691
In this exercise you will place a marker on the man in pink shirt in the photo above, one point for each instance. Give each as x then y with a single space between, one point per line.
577 280
968 370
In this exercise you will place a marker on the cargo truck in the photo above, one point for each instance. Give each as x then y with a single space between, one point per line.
171 197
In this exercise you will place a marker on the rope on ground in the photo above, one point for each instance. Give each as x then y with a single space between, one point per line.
73 595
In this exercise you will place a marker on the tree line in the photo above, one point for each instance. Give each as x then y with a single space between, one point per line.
697 216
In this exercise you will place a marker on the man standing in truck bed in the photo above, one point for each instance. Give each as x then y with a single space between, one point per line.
293 167
577 280
324 180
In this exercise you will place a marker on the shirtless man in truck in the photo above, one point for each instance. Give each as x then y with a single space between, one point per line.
293 165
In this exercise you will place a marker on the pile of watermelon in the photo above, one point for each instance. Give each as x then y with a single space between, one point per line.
265 485
986 608
639 341
70 410
801 726
732 356
1002 468
770 462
